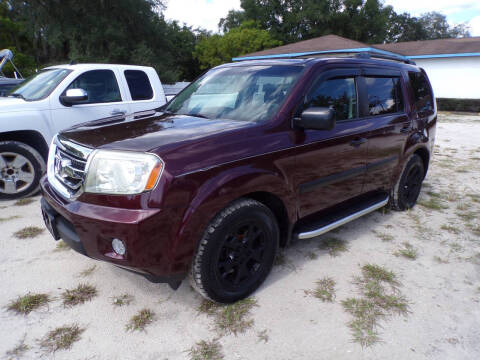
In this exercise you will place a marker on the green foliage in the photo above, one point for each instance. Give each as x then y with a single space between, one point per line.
217 49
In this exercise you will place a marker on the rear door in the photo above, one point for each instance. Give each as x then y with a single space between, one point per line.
145 91
330 164
384 109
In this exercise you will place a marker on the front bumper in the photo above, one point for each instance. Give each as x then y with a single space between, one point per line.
89 230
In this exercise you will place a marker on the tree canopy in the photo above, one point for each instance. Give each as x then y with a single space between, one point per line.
45 32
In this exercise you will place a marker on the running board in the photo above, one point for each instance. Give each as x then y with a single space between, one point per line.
343 221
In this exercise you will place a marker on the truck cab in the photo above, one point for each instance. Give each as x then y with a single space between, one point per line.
60 97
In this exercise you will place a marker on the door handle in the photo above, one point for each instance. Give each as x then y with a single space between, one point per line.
406 129
118 112
357 142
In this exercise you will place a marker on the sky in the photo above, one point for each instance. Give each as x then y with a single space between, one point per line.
207 13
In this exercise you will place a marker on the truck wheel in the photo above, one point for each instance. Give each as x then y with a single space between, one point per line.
236 252
21 168
407 189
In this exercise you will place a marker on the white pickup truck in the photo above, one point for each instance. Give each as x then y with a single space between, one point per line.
59 97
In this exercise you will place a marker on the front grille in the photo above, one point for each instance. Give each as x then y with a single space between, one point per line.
67 167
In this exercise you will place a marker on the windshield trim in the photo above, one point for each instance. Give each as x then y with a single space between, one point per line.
68 72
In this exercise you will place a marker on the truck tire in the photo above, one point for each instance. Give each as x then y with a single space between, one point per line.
21 167
407 189
236 252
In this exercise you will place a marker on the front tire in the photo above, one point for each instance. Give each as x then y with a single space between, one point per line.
21 167
407 189
236 252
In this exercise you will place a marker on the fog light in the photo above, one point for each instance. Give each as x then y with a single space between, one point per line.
118 246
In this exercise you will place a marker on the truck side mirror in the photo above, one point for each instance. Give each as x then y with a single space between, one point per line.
74 97
317 118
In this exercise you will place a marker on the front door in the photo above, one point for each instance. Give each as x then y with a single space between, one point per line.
104 100
330 164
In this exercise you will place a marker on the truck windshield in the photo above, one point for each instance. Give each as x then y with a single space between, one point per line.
246 93
40 85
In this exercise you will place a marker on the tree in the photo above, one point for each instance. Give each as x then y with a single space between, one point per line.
213 50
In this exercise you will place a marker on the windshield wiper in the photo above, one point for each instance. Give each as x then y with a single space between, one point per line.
199 115
15 95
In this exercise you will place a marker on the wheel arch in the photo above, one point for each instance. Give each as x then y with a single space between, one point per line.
425 156
30 137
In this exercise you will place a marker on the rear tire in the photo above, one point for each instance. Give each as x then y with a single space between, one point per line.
407 189
236 252
21 167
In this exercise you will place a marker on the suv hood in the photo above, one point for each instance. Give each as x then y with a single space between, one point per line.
148 131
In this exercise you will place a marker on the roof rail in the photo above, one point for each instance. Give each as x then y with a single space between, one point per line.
364 53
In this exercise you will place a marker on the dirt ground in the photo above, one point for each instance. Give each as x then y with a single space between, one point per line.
438 277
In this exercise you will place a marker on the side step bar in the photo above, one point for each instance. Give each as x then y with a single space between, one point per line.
343 221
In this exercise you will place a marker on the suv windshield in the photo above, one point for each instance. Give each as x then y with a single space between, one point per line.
40 85
252 93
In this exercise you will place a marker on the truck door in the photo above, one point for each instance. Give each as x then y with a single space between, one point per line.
104 100
330 164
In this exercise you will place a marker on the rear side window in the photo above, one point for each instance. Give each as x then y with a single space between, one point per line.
339 94
421 91
139 85
384 95
101 86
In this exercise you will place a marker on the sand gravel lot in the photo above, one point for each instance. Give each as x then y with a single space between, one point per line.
431 312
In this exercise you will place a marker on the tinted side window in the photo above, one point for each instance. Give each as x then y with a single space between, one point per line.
339 93
422 92
139 85
384 95
101 86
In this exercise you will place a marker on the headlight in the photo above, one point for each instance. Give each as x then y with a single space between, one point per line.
122 172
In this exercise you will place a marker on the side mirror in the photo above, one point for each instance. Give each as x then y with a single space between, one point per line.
74 97
317 118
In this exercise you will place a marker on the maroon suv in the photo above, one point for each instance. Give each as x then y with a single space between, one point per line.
247 158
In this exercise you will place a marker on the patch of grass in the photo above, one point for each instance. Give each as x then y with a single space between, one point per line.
380 299
451 229
61 338
26 304
475 197
408 251
19 350
325 290
140 321
9 218
335 246
62 246
433 204
474 228
464 206
28 232
89 271
232 318
456 247
263 336
283 261
203 350
23 202
467 215
81 294
383 236
312 255
440 260
122 300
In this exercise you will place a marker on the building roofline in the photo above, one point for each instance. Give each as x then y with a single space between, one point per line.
432 56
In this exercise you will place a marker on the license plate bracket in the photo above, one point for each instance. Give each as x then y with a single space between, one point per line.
50 223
